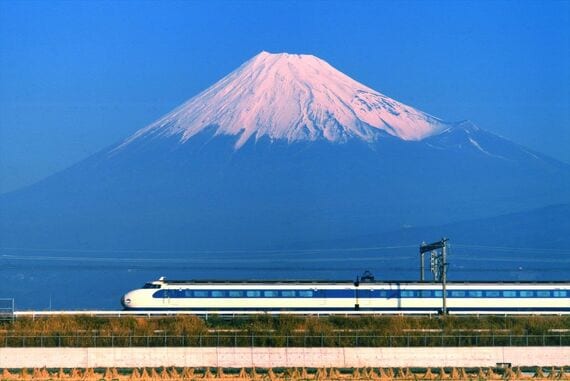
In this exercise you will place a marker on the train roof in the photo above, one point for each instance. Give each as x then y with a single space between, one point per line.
305 281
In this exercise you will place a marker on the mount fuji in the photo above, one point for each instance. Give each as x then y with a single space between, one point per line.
284 149
293 98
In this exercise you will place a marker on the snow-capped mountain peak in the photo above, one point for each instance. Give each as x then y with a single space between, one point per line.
293 97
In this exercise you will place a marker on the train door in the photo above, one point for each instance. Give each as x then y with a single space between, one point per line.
322 293
366 298
356 298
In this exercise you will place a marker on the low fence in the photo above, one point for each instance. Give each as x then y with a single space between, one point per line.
308 341
6 309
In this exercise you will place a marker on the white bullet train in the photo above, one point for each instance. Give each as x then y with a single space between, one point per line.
365 296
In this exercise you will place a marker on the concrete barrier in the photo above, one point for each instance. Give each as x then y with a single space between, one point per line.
282 357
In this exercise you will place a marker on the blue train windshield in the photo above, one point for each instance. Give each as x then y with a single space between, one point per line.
150 285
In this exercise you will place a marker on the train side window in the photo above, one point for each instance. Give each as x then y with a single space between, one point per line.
253 294
159 294
458 294
438 294
187 293
559 294
425 293
526 294
543 294
492 294
381 294
235 294
407 294
475 294
288 293
306 294
200 294
509 294
217 294
270 294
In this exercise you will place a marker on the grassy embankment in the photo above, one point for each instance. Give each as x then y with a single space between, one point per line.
284 330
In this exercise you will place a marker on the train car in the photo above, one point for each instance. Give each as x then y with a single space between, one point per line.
348 297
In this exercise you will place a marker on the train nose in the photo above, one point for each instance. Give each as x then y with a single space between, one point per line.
126 300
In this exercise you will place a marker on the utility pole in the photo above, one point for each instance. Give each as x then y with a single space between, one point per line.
438 266
444 274
422 263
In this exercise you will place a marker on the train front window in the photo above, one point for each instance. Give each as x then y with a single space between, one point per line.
150 285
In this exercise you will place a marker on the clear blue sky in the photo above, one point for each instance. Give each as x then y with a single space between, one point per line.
76 77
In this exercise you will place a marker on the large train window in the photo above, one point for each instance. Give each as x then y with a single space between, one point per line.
306 294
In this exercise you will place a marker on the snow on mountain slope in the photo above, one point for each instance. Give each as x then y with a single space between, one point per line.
293 97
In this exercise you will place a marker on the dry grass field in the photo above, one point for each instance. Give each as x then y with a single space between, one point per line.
291 374
288 325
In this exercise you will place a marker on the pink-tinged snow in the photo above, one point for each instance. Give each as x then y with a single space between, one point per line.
293 97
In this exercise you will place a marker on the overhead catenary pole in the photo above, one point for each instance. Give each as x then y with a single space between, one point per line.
444 274
438 266
422 263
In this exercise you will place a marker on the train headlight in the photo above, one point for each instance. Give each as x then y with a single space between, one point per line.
125 301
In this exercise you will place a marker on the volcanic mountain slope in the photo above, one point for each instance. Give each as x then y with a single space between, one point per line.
295 98
284 149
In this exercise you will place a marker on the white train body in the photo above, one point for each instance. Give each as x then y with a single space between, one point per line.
349 297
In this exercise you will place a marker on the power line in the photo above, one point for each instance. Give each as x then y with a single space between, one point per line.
510 248
229 251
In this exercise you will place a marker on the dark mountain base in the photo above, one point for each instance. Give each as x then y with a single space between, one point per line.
162 195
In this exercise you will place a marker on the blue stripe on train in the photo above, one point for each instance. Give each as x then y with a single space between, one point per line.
362 293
